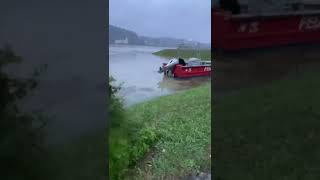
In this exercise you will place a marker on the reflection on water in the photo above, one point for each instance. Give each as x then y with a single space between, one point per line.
136 69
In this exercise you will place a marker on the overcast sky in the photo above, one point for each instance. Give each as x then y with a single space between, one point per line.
187 19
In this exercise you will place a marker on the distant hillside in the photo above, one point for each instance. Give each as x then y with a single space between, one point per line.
119 35
116 33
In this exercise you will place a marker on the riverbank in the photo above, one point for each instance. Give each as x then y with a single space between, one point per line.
205 54
271 132
168 137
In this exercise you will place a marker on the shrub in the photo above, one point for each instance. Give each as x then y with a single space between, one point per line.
128 141
118 139
21 134
115 105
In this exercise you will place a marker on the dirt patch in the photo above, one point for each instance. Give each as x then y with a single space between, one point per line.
143 170
143 167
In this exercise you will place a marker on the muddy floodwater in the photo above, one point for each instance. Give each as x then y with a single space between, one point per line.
136 69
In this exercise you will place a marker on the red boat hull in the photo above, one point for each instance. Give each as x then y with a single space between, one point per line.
180 71
235 32
185 72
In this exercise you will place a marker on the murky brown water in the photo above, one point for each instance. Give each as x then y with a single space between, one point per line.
137 69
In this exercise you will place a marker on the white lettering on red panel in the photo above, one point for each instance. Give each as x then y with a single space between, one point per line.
251 27
188 70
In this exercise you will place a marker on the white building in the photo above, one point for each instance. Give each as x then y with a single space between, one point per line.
124 41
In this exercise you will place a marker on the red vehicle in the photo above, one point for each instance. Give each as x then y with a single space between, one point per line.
178 68
247 30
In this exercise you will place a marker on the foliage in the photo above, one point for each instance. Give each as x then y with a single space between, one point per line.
126 150
127 143
21 134
118 138
184 132
115 106
142 143
117 33
179 129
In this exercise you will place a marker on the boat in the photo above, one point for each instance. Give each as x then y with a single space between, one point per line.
258 45
179 68
291 25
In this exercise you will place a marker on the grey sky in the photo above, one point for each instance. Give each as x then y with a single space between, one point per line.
187 19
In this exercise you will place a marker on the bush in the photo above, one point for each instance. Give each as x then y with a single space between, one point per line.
115 106
119 154
142 143
126 150
128 141
21 134
118 139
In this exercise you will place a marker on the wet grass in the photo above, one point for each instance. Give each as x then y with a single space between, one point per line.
175 129
205 54
270 132
183 123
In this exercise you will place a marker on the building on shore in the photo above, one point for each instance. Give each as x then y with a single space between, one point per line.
122 41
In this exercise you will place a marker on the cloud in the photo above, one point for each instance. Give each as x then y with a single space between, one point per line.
188 19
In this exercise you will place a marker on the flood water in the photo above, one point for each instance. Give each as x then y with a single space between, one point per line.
136 69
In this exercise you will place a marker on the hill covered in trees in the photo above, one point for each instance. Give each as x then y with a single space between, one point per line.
119 35
116 33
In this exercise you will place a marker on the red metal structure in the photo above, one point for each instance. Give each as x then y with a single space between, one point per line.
246 31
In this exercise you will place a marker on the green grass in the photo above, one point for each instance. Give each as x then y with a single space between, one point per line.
205 54
178 129
268 133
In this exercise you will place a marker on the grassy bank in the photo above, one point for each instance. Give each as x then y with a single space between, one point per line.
269 133
172 133
205 54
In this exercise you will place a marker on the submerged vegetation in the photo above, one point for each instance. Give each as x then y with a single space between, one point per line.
272 132
204 54
175 129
